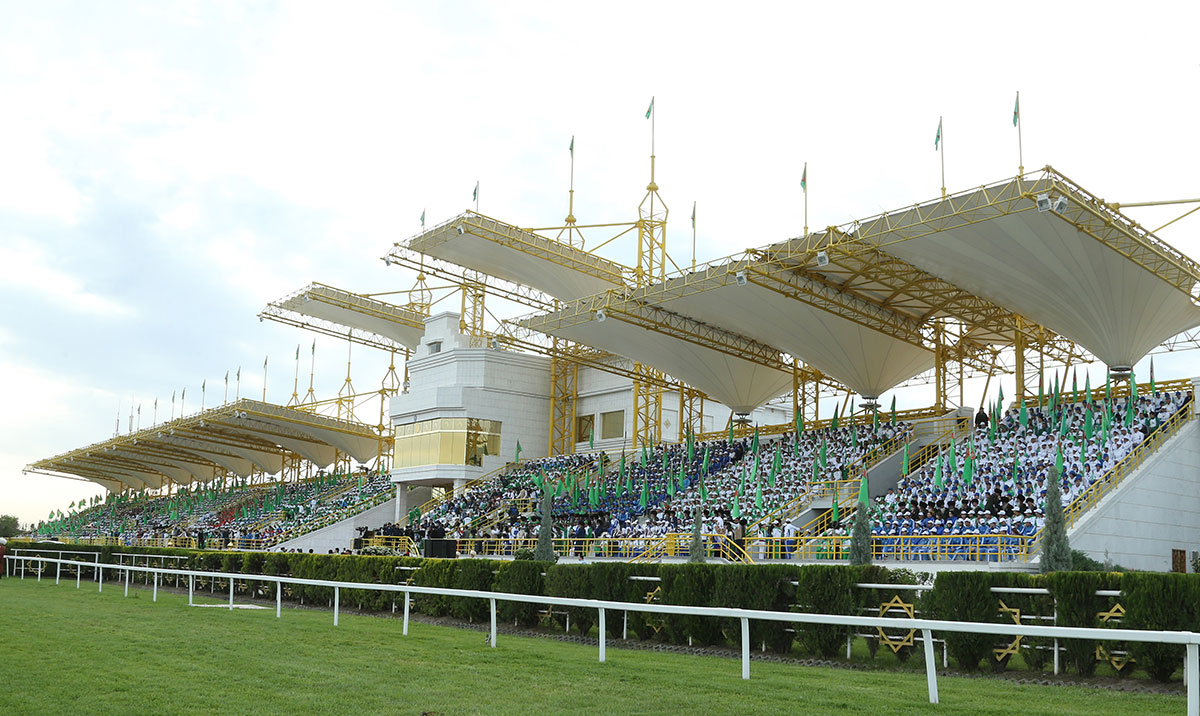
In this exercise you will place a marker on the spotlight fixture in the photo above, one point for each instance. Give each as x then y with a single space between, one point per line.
1043 202
601 316
822 259
1060 204
740 277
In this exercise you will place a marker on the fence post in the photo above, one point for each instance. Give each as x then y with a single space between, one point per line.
625 626
127 582
278 599
100 579
602 627
930 665
191 587
745 648
78 575
406 598
493 604
231 594
337 596
1192 669
57 571
155 599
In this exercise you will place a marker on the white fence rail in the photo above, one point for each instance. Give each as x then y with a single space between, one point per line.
1190 640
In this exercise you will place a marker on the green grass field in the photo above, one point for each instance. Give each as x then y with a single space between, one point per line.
82 652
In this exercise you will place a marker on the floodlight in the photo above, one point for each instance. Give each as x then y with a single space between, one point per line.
601 316
1060 204
740 276
1043 202
822 258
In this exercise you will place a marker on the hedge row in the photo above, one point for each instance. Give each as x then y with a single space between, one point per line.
1151 601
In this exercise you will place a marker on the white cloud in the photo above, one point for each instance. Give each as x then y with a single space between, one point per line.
29 268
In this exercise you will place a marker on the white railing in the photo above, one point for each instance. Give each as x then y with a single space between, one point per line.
1190 640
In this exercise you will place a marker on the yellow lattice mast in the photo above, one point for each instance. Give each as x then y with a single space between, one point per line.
651 268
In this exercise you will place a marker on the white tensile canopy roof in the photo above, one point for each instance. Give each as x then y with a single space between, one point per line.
738 383
868 361
524 257
326 303
238 437
1080 269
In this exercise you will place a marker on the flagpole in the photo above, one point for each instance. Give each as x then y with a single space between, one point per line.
1020 148
693 236
942 151
805 187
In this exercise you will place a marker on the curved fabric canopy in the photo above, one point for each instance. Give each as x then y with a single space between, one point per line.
492 247
1078 268
866 360
398 325
238 438
739 383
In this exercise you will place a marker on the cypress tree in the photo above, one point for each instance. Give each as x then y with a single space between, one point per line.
860 537
696 550
1056 550
545 542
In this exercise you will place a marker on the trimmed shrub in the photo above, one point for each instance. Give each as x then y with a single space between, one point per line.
966 597
571 580
475 574
764 587
433 573
520 576
692 585
1160 602
826 589
1075 596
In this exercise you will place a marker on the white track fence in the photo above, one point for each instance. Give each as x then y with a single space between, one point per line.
1191 640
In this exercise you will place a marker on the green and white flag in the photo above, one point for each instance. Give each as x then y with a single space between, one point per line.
1017 110
693 215
422 219
804 179
650 109
572 147
475 194
938 139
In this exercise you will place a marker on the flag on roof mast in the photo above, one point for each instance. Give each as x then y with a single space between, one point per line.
1017 110
938 139
650 109
804 179
572 147
693 215
475 194
422 219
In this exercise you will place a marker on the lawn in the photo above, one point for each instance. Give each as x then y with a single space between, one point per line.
64 650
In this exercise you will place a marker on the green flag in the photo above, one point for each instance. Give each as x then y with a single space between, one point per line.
1058 460
1024 414
572 147
1017 110
893 411
1153 389
937 140
804 179
1087 387
650 109
824 461
704 464
518 459
904 462
799 424
835 518
775 466
592 439
952 461
834 424
736 511
729 440
422 219
703 490
863 498
937 473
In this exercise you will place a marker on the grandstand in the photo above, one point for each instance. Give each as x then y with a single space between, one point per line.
644 399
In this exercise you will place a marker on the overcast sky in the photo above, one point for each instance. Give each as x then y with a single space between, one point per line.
166 169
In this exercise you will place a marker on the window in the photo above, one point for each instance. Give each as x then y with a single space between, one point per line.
584 425
446 441
435 347
612 425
